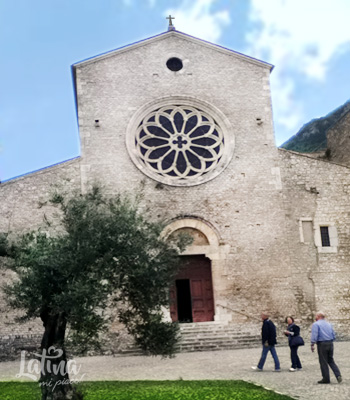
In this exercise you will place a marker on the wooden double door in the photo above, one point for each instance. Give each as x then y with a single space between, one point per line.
191 296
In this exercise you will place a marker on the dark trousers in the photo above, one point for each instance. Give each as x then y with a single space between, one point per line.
294 357
325 356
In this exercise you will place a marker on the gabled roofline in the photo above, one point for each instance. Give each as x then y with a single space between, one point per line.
305 155
41 170
172 33
160 36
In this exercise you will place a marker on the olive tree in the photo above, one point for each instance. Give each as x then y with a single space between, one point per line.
106 253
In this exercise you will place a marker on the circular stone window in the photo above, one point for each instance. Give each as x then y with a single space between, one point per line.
180 144
174 64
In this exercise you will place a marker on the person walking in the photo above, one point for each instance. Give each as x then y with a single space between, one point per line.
268 337
294 341
323 334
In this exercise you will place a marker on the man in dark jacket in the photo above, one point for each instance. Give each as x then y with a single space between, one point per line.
268 336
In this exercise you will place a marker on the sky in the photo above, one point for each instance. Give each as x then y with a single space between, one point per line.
308 42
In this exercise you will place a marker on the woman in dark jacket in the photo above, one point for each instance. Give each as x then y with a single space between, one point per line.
292 332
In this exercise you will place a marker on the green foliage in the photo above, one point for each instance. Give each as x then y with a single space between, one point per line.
153 335
160 390
303 142
3 245
107 252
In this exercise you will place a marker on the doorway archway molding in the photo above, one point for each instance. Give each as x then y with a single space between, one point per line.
216 251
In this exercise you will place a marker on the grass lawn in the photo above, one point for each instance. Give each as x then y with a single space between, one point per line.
143 390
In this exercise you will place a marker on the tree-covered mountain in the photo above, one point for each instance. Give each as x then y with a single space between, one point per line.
312 136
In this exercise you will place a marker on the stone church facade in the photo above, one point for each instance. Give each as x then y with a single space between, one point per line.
189 123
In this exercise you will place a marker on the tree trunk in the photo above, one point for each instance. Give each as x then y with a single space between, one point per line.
54 380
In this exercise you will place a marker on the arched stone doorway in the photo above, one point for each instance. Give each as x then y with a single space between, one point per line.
195 288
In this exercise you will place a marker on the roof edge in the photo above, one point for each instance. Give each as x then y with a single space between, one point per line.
172 33
305 155
118 49
41 170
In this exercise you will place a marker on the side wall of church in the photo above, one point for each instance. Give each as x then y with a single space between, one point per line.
24 207
316 193
338 141
24 200
244 204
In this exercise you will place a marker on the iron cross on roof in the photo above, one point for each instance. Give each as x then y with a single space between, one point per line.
171 26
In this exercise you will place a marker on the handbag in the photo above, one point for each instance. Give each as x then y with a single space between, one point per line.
297 341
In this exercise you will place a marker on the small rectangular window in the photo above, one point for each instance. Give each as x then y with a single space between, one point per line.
325 236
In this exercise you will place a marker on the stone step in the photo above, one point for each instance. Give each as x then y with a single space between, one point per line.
221 333
214 336
214 324
218 341
215 329
210 336
224 337
187 328
218 329
218 345
219 338
194 348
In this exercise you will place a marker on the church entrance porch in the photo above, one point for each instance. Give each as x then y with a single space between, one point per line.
191 296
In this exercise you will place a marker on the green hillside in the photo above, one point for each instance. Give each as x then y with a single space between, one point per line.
312 136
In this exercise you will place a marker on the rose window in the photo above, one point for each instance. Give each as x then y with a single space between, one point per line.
179 143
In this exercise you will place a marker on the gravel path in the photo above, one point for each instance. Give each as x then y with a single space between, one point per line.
231 364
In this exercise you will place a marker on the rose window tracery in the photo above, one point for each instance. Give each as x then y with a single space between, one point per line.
180 143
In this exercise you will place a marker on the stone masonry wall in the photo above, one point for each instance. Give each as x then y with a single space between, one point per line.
318 191
24 207
244 204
